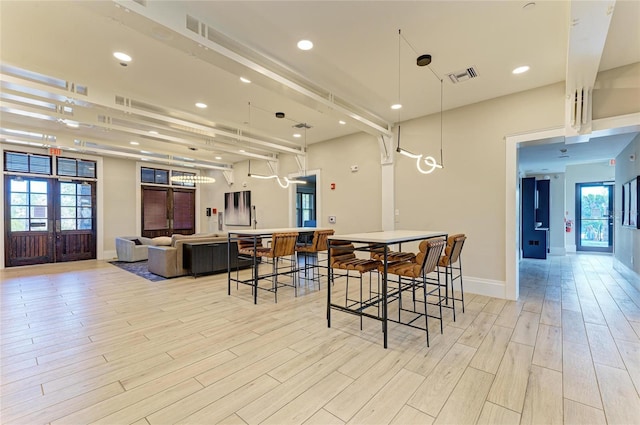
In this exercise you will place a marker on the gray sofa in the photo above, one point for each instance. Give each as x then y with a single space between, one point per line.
128 250
167 261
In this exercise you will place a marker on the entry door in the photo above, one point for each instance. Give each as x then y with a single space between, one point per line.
48 221
594 224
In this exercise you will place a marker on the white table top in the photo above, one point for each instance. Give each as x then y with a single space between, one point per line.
254 232
389 236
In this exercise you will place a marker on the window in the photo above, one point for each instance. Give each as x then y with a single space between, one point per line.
185 184
27 163
28 204
76 168
75 206
154 175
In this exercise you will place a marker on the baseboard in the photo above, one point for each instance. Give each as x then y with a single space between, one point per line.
623 269
487 287
108 255
556 250
570 248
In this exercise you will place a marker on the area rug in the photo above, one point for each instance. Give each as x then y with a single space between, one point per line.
139 268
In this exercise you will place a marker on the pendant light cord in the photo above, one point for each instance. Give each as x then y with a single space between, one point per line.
441 91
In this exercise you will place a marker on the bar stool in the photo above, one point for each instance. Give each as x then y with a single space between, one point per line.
282 245
417 271
318 244
343 257
451 262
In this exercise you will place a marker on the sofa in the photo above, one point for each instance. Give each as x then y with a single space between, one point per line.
132 248
168 261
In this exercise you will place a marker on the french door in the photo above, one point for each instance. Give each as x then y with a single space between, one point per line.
594 217
49 220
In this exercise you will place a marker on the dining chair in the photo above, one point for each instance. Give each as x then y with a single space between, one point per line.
417 271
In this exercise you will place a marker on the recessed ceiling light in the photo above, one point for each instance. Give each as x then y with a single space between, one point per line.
396 106
520 69
134 143
218 157
72 124
305 45
153 132
297 135
342 122
201 105
122 56
241 151
245 80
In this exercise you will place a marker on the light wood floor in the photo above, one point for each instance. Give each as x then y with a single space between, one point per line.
90 343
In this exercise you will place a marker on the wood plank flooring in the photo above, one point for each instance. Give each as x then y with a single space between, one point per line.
87 342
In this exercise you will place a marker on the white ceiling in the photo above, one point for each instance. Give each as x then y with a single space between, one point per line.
357 69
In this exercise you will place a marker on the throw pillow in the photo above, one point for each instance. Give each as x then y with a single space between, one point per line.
162 241
137 242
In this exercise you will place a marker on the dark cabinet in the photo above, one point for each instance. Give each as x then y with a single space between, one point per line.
535 217
211 257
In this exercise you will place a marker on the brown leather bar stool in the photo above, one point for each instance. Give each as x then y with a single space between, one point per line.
425 262
452 264
282 245
318 244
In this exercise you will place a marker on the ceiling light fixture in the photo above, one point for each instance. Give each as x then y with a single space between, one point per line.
429 161
72 124
342 122
297 135
520 69
193 179
305 45
284 182
218 157
201 105
134 143
245 80
122 56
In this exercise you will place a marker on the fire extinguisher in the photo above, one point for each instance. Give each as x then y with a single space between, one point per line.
568 225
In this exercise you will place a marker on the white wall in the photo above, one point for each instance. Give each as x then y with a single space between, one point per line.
627 241
584 173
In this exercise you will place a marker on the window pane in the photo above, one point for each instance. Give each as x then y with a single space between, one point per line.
84 224
68 200
38 199
18 185
68 188
19 225
67 167
147 175
16 162
40 164
38 187
68 224
68 212
84 189
18 199
84 212
162 177
19 212
86 168
84 201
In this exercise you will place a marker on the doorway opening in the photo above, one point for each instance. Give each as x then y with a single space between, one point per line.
306 202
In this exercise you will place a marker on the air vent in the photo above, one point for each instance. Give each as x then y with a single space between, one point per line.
464 75
302 125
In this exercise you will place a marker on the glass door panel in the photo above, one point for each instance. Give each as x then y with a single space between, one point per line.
595 217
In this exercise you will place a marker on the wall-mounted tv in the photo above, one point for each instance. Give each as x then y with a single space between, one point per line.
237 208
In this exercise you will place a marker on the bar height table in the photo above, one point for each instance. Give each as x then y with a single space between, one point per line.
375 240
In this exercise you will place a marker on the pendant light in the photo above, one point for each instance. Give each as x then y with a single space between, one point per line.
424 164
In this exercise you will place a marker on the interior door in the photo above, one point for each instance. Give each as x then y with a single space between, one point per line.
29 217
594 217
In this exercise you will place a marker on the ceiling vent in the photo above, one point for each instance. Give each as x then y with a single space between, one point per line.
464 75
